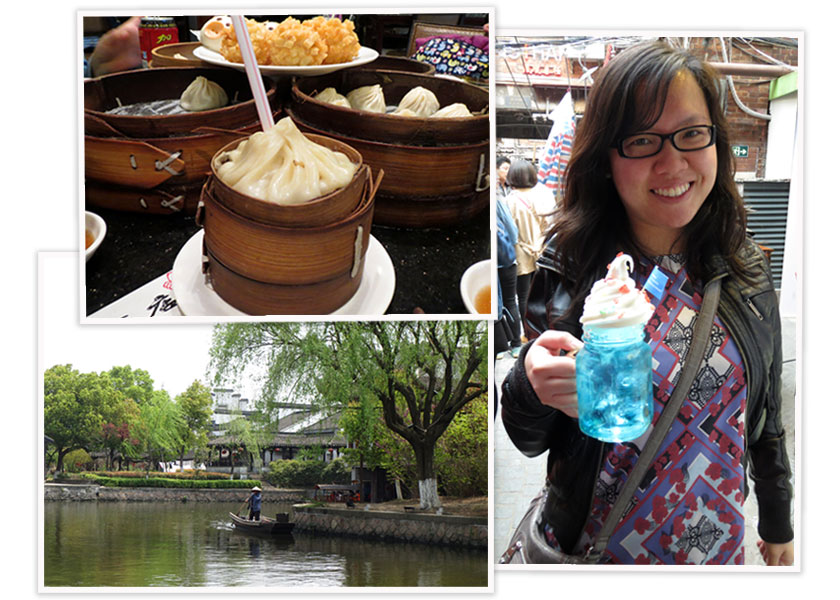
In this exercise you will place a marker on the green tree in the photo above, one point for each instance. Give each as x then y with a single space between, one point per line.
461 455
73 404
244 436
362 424
135 384
120 421
422 373
195 406
161 427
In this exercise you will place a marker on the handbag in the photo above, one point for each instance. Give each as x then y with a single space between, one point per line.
528 544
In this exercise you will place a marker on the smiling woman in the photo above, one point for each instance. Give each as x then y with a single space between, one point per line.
650 175
661 185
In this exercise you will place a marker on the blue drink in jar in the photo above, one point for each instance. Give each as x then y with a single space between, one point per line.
614 383
614 369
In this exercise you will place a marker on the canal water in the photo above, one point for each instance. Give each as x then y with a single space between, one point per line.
151 544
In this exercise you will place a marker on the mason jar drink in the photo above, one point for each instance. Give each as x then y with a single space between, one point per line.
614 383
614 369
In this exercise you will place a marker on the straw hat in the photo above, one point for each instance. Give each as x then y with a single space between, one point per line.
255 489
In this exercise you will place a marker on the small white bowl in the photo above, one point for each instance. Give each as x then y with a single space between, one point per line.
473 279
96 226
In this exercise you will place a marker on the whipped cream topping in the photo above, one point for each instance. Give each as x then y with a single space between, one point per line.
614 301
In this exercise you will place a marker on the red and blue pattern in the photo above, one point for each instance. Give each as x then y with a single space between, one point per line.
555 159
689 506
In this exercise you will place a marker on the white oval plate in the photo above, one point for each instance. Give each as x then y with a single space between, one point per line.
364 56
197 298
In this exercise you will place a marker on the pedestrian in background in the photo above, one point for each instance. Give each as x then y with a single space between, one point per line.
529 205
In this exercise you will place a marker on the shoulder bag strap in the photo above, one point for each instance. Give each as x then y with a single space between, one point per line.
702 330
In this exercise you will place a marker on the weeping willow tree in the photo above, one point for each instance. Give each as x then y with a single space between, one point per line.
422 373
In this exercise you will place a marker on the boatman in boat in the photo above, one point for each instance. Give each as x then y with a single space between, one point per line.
255 504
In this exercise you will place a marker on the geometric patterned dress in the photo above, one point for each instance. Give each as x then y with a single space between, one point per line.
689 507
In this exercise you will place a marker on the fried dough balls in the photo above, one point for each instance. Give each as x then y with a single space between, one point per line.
340 36
259 34
312 42
294 44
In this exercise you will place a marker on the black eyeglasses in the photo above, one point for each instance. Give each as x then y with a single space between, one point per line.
687 139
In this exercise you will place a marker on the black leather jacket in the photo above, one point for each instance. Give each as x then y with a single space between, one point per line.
751 314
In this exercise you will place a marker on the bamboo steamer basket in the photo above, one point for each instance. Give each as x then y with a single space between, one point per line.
161 200
388 128
437 171
398 63
258 298
262 258
323 210
147 85
147 162
176 55
134 163
423 186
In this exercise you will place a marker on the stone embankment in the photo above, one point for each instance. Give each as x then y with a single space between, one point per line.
362 521
88 492
410 527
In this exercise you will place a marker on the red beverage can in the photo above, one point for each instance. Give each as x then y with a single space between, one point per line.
154 32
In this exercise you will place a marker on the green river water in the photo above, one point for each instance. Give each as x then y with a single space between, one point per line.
164 544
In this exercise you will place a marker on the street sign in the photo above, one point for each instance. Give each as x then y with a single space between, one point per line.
740 151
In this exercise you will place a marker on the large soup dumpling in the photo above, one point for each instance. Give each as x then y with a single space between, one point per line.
369 97
452 111
203 94
283 166
331 96
420 100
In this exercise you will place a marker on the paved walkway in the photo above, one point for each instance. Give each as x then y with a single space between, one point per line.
518 478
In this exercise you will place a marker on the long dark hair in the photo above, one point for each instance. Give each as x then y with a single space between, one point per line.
629 96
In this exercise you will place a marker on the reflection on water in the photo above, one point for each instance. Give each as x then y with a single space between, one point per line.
92 544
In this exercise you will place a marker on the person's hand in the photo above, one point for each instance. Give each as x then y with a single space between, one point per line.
118 49
553 376
776 555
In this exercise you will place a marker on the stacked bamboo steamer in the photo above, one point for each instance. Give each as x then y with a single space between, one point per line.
264 259
158 164
437 171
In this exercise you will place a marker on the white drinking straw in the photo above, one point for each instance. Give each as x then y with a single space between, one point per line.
253 71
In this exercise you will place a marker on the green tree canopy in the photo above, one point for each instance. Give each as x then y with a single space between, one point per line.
135 384
118 434
73 407
241 433
422 373
195 406
161 427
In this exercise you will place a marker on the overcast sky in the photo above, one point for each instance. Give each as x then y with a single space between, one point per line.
174 356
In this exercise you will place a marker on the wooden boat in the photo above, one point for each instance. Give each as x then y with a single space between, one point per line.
265 526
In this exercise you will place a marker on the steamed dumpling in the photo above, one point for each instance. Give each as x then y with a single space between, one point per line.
283 166
453 111
333 97
420 100
203 94
368 97
213 31
404 112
